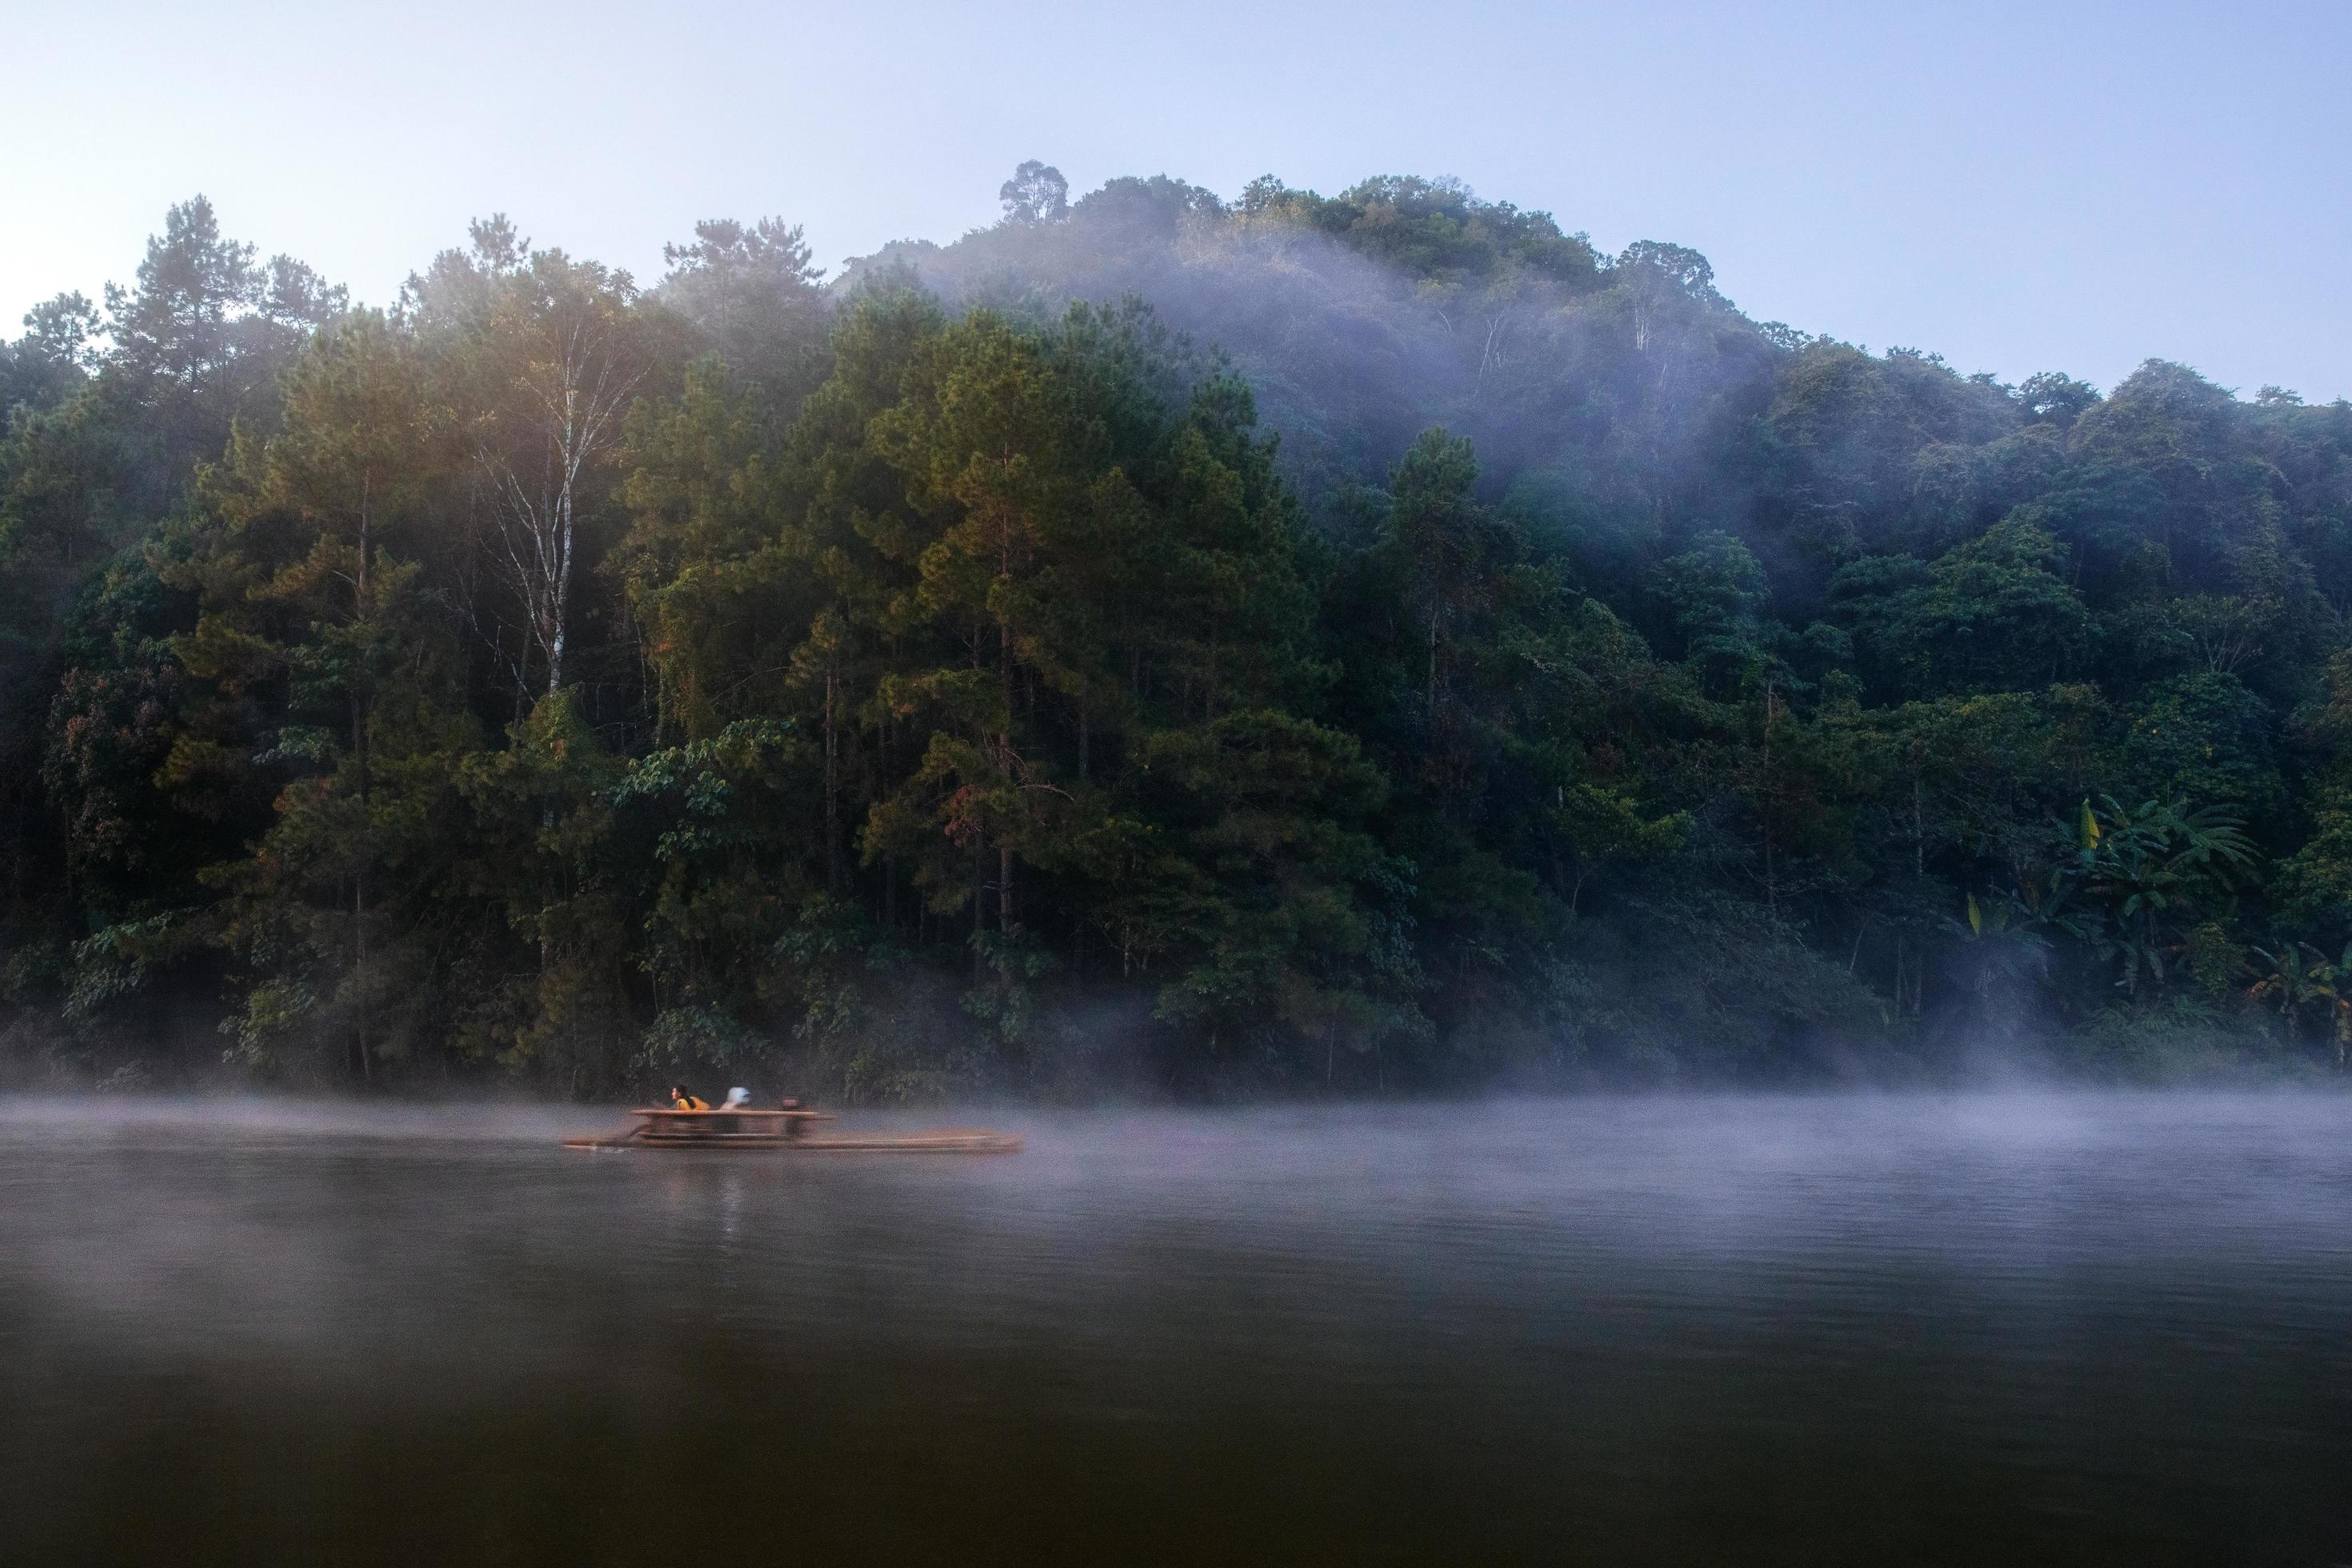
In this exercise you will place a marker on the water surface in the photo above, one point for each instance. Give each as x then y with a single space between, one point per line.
1978 1328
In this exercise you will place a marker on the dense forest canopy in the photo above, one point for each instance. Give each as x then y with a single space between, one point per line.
1154 643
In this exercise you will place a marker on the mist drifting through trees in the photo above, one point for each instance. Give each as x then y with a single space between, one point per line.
1156 643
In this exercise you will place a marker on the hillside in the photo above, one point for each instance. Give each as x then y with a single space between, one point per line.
1361 642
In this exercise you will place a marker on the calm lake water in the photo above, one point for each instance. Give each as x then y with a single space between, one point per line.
1980 1329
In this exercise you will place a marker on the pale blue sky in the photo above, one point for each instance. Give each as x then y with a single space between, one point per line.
2018 187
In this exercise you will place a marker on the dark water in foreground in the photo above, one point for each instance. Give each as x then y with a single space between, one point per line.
2079 1329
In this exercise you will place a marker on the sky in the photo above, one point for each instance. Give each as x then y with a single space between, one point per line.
2016 187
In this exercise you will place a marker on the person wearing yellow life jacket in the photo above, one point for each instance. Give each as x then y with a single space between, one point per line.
683 1098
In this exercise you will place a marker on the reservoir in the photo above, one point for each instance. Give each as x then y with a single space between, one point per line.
1988 1327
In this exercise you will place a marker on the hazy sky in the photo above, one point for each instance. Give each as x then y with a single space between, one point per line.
2018 187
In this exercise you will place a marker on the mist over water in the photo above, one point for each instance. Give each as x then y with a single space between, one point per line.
1973 1328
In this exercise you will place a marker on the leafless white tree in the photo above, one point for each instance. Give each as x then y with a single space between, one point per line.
568 380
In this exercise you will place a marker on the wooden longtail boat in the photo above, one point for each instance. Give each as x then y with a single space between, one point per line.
791 1132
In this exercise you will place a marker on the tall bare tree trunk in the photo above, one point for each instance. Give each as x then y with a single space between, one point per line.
1918 832
1209 697
1435 612
360 759
832 784
979 907
1772 890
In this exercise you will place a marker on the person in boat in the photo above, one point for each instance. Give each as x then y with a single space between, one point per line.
684 1099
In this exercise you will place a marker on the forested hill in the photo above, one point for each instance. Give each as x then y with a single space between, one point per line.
1154 644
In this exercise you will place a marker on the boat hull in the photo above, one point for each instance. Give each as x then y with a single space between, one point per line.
956 1140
